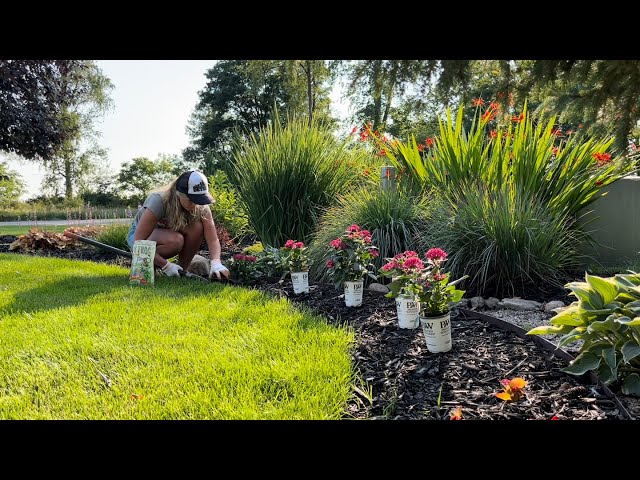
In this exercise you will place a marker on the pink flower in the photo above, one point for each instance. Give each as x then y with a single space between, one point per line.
353 228
374 252
439 276
289 244
250 258
330 264
337 243
298 245
436 254
238 256
389 266
412 263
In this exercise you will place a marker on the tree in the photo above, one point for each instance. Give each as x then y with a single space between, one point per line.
32 95
89 99
240 96
11 186
142 175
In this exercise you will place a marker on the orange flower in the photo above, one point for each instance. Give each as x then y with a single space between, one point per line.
494 106
518 118
557 132
421 147
456 414
512 389
602 158
366 172
493 134
135 396
478 102
555 150
429 142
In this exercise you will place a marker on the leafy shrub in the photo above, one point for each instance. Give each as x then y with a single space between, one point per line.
606 318
287 174
227 209
394 219
243 268
115 235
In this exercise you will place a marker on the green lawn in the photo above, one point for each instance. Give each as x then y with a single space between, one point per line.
77 342
22 229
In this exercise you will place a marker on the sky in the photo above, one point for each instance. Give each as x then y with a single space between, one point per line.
153 101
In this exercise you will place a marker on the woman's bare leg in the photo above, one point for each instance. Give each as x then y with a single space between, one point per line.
193 236
168 242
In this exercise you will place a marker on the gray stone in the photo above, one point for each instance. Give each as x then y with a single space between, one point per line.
477 302
492 303
378 287
464 303
520 304
199 266
551 306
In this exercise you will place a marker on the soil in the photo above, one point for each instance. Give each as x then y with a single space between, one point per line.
401 380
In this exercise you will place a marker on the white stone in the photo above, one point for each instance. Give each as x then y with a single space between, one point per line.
378 287
520 304
551 306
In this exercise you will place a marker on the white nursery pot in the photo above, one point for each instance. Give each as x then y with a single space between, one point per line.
300 282
437 332
353 293
408 308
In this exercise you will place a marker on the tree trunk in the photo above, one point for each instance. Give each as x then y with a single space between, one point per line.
310 96
68 186
377 93
392 85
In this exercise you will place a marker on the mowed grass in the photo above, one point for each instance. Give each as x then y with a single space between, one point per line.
22 229
77 342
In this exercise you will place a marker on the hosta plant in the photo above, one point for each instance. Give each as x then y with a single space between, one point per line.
606 317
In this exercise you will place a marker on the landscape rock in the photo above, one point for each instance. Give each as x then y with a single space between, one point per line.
492 303
378 287
477 302
520 304
551 306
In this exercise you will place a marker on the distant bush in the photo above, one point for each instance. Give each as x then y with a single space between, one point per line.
115 235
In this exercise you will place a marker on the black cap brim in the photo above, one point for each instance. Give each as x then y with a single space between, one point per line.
201 199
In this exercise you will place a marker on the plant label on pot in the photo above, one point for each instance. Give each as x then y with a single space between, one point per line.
353 293
437 333
408 309
300 282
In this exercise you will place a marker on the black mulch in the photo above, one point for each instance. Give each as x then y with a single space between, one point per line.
401 380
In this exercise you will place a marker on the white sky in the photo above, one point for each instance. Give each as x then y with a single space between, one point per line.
153 101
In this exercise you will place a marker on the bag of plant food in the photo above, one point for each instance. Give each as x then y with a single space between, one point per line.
142 268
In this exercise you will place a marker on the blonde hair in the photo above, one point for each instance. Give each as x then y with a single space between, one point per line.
178 218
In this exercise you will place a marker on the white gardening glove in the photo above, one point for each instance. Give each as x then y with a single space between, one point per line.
218 268
172 269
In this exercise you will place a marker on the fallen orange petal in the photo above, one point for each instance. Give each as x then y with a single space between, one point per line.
503 396
517 383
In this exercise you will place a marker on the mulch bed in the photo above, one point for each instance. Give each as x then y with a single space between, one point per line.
401 380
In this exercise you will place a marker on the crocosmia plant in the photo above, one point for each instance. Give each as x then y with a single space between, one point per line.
352 253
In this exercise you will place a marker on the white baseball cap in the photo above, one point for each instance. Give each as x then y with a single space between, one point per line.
194 185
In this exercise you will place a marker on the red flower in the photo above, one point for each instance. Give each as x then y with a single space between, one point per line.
602 158
421 147
557 132
429 142
555 150
488 115
494 106
366 172
478 102
518 118
493 134
382 153
355 129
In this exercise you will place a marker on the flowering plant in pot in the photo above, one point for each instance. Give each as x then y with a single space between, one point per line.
243 268
436 293
350 261
404 269
294 258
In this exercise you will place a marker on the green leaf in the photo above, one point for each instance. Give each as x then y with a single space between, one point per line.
630 350
583 363
567 339
631 385
606 288
604 326
589 298
609 356
570 316
547 330
605 373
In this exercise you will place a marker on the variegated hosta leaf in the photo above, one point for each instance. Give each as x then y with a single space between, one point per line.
550 330
630 350
603 326
605 373
583 363
589 298
631 385
570 316
605 287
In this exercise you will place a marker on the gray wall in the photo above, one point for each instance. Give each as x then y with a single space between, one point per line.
615 223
